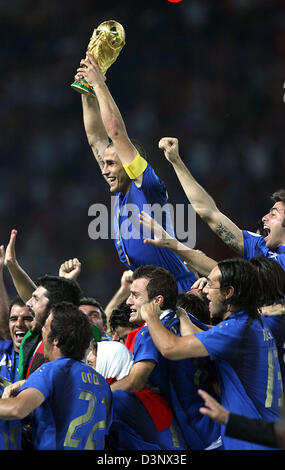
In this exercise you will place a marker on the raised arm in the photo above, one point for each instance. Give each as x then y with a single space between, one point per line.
95 131
201 201
121 294
22 282
110 114
4 301
70 269
195 260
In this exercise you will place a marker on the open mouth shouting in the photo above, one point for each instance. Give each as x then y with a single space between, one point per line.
266 232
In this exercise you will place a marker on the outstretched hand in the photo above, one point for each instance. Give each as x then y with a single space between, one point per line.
161 237
10 254
212 408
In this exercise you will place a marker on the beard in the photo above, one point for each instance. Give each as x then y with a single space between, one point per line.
38 322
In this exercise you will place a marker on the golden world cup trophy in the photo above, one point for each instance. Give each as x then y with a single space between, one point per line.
105 45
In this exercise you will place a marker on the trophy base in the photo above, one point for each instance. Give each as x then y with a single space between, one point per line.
83 87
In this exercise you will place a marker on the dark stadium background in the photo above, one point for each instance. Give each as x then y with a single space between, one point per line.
210 73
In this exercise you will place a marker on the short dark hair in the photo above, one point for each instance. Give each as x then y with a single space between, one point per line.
244 278
60 289
16 301
195 305
120 317
71 328
161 282
272 278
94 303
279 196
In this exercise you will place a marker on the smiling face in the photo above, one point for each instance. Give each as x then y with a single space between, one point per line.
20 320
274 224
114 172
137 298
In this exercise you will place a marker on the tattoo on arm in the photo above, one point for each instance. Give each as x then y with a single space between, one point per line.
228 237
99 158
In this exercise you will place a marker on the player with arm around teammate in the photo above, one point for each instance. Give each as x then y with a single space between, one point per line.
70 402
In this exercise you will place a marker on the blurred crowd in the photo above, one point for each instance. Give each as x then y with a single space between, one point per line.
210 73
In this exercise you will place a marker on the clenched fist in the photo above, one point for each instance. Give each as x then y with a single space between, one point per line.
70 269
170 147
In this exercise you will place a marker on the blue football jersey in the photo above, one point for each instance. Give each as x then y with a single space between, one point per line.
178 382
276 324
254 245
129 234
9 360
10 435
248 370
77 411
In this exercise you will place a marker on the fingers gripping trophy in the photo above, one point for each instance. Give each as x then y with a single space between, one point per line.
105 45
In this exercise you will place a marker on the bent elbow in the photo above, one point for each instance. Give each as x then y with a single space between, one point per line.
169 352
137 387
16 412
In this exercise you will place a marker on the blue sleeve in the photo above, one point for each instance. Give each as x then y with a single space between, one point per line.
41 379
222 340
6 346
153 187
144 348
254 245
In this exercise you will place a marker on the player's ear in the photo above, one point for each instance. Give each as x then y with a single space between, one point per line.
55 342
228 292
158 300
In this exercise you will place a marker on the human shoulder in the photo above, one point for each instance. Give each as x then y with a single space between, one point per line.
144 347
252 239
142 333
6 345
248 233
136 169
232 327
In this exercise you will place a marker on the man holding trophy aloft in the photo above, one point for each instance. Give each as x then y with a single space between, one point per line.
122 161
